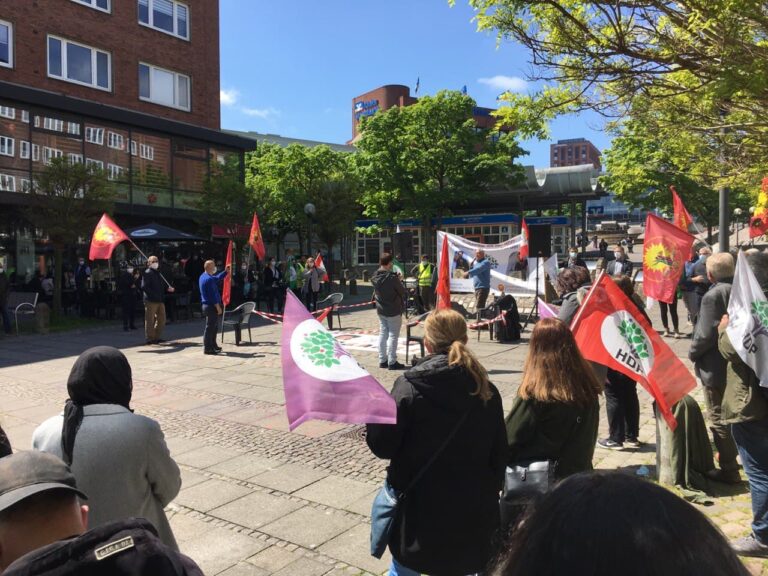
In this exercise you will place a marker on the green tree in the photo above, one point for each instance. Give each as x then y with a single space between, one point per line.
421 161
226 200
337 209
66 201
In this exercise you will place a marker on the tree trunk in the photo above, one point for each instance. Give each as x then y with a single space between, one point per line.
58 280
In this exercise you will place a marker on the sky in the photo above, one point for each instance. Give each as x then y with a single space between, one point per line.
292 67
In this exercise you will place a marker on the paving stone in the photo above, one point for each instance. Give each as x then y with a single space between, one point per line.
256 509
288 478
244 569
245 466
336 491
309 527
206 456
274 558
304 567
186 527
210 494
179 445
353 547
220 549
191 478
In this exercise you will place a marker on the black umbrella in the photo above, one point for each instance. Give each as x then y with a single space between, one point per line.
154 231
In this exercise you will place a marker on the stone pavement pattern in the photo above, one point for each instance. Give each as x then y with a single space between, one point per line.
257 499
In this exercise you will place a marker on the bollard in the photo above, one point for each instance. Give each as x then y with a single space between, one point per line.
42 318
352 287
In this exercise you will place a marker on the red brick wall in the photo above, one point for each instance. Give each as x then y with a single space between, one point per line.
129 42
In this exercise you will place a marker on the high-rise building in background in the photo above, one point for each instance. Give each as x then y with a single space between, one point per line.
574 152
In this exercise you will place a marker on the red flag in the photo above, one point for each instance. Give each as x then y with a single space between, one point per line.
255 239
758 224
524 245
682 219
319 264
628 344
444 278
226 293
106 236
665 250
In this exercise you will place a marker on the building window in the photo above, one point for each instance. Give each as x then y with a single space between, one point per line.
73 128
53 124
163 87
8 112
91 163
35 153
147 152
7 183
25 116
102 5
167 16
94 135
6 146
75 158
26 185
24 149
134 148
51 153
114 171
78 63
6 44
115 141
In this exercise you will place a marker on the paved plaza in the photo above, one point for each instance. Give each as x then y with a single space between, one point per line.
257 499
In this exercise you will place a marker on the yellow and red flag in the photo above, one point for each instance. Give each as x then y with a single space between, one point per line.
524 245
665 250
682 219
758 224
106 236
255 239
444 278
226 293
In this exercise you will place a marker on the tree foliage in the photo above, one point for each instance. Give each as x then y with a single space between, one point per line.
66 201
225 201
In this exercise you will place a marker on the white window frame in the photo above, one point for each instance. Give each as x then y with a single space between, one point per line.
147 152
89 135
134 148
53 124
114 171
5 180
9 64
75 158
26 185
73 128
175 88
119 140
92 4
8 112
51 153
174 17
97 163
24 149
94 65
7 146
25 116
35 153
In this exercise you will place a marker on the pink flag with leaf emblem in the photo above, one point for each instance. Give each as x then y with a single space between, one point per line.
321 380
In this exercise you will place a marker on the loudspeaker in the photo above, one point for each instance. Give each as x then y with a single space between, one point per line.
539 240
402 244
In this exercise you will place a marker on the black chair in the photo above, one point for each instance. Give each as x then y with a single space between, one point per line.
412 337
487 313
239 317
332 301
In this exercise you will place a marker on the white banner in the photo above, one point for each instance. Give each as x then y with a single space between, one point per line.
518 277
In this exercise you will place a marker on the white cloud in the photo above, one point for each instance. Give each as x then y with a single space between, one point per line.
228 97
505 83
263 113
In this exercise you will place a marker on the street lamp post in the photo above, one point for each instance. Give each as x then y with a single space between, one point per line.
309 210
737 217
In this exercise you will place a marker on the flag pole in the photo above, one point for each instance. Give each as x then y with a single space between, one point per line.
146 258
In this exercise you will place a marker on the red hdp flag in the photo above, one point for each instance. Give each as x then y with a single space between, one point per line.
628 344
226 293
444 278
682 219
319 264
665 250
106 236
758 224
524 245
255 239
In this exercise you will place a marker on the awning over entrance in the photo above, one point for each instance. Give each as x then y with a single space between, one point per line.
154 231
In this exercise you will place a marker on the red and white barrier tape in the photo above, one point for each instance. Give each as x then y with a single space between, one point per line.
485 322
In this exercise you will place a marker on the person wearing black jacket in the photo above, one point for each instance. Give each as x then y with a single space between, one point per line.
126 287
153 285
449 517
389 293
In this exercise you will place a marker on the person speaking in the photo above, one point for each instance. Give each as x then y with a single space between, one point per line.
212 304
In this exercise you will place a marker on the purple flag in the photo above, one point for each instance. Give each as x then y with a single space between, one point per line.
547 310
321 380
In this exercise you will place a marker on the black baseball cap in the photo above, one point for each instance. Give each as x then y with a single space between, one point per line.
25 474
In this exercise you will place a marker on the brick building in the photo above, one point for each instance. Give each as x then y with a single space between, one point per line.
574 152
130 86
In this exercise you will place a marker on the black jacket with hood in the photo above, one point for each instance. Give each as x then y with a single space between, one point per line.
448 519
389 292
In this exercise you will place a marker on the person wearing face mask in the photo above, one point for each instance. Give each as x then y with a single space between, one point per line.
423 272
574 260
212 304
126 287
5 288
272 277
154 287
620 266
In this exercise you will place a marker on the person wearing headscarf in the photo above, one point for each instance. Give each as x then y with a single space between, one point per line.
120 459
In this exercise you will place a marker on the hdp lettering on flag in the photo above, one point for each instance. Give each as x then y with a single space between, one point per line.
748 320
106 236
610 330
321 380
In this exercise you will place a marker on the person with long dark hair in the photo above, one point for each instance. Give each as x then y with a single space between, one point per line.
120 459
450 515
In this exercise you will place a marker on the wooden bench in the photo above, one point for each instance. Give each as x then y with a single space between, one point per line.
22 304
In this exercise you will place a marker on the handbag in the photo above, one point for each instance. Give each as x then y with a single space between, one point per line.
387 502
522 483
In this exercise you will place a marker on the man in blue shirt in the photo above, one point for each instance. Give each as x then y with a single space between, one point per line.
480 272
212 304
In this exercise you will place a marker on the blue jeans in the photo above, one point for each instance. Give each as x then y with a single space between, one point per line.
397 569
389 331
750 438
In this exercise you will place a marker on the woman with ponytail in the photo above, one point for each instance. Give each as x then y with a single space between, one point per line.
446 406
120 459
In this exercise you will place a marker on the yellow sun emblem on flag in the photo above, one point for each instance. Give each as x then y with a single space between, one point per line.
105 234
659 257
